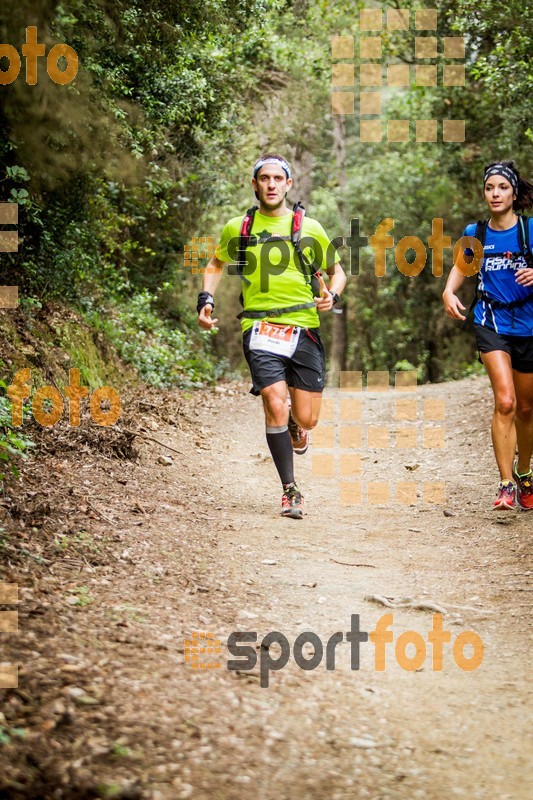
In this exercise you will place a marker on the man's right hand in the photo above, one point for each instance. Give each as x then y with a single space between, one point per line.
204 318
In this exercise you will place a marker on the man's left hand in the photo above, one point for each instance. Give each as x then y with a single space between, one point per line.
325 302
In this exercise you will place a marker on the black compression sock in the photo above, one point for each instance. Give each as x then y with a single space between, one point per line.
280 445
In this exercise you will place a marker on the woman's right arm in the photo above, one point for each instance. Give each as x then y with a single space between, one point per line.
452 304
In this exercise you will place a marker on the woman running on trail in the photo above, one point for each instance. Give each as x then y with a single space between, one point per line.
503 324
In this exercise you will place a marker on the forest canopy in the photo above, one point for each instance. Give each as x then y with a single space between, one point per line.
152 143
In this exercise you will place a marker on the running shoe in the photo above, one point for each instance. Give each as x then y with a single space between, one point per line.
299 436
506 500
292 502
524 487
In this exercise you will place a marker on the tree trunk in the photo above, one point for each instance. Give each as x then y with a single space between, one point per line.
302 164
339 329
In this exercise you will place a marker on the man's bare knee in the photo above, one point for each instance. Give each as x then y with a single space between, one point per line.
304 419
276 411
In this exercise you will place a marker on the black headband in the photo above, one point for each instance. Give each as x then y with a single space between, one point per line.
506 172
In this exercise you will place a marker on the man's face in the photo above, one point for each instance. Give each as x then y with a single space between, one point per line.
271 185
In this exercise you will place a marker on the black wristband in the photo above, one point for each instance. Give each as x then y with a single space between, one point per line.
204 299
335 296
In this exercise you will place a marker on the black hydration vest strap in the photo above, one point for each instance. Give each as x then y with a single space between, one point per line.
298 214
496 304
523 239
274 312
244 239
479 234
525 250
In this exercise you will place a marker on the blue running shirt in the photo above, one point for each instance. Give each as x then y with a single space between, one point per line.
497 279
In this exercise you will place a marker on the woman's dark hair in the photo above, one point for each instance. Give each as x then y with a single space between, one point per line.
524 193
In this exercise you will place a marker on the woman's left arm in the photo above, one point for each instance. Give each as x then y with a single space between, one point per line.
524 276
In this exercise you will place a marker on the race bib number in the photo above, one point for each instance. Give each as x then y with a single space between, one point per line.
279 339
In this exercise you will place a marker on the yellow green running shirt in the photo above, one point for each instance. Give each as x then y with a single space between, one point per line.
279 282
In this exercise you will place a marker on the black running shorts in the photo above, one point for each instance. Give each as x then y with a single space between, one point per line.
520 348
306 369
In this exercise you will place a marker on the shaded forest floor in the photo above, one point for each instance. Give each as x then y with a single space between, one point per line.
122 549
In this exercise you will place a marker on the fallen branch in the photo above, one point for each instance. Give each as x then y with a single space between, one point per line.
422 605
406 602
470 608
150 439
102 516
347 564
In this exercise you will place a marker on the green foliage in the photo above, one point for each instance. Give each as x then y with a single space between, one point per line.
397 318
81 542
113 172
13 444
7 734
82 595
108 791
163 355
152 143
119 750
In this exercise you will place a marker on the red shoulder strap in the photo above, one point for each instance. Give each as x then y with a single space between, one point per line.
247 222
298 214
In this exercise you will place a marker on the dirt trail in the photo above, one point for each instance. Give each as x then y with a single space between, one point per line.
190 543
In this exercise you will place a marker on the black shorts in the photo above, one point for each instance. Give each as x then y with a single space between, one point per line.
520 348
305 369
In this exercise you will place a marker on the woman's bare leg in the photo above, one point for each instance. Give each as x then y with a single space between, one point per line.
523 382
498 366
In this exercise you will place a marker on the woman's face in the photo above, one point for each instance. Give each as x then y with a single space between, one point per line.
499 194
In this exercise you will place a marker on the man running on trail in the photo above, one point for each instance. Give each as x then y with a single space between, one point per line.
278 252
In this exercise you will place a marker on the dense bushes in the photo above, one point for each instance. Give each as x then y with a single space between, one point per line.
151 144
112 173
